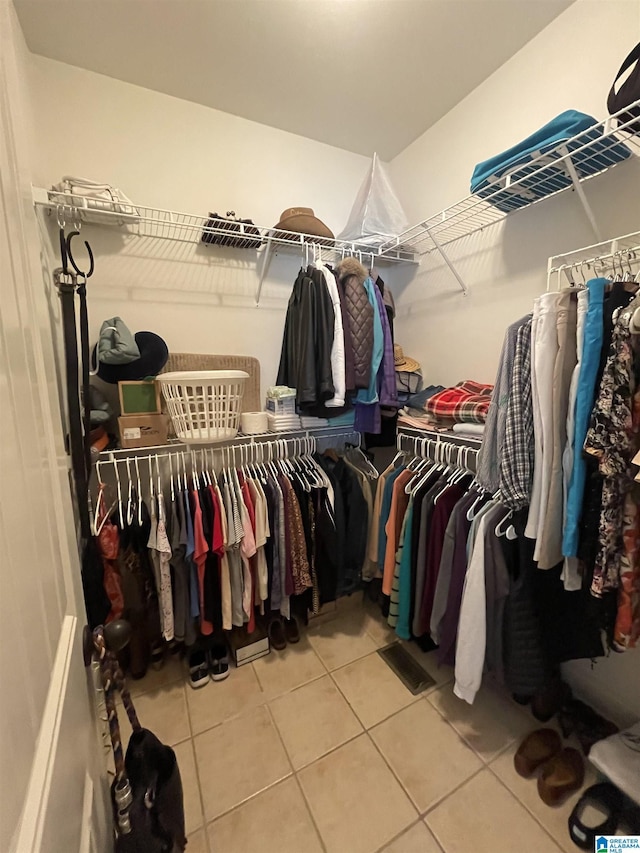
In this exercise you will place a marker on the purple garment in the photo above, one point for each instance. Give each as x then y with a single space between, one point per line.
388 394
367 418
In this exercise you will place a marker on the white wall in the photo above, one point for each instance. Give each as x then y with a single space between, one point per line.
43 695
166 152
570 64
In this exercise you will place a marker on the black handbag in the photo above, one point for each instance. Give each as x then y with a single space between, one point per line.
238 233
146 794
628 93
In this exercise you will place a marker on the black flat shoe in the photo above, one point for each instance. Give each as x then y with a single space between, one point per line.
291 630
608 800
277 638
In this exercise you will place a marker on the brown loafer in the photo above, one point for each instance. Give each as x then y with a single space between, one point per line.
535 750
561 775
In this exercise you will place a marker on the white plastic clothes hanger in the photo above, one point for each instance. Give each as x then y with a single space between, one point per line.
119 491
173 493
139 490
510 532
130 507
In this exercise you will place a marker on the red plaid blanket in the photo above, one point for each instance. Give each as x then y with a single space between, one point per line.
467 402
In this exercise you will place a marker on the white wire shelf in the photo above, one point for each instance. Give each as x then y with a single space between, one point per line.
241 440
567 165
157 223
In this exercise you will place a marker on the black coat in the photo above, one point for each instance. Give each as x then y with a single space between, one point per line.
305 360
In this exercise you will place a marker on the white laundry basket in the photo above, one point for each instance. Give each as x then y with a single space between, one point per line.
204 405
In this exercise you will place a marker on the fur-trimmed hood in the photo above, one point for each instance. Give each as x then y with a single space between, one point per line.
351 266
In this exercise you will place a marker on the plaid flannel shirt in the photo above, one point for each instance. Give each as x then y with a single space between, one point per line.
467 402
516 467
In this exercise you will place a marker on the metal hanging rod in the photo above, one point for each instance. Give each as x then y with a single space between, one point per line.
601 257
251 442
440 450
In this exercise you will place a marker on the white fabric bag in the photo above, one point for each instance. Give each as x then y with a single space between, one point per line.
95 202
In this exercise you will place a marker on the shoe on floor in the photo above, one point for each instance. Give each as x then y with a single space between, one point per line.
578 718
607 800
550 699
198 669
218 663
561 775
277 638
291 630
535 750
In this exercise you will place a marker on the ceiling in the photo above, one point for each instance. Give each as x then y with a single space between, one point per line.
363 75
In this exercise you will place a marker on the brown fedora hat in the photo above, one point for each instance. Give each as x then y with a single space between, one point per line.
302 220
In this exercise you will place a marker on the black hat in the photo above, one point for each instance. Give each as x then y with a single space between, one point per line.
153 357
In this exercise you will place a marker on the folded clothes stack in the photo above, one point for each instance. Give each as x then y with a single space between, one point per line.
309 422
438 408
283 423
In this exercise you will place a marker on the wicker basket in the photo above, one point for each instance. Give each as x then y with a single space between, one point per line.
204 405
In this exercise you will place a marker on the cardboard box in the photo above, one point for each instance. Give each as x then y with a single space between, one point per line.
139 397
283 406
143 430
246 648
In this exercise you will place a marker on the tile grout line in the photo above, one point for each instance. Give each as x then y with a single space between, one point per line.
525 806
395 776
310 812
197 769
297 781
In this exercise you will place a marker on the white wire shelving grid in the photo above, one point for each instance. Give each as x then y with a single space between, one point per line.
137 220
567 165
619 256
163 224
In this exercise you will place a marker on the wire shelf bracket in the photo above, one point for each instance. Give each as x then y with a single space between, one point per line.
568 165
161 224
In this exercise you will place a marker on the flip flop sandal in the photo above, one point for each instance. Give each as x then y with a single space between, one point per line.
535 750
198 669
561 775
607 799
218 663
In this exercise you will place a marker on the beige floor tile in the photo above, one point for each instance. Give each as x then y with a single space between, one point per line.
197 843
554 820
489 725
174 669
357 803
341 640
429 758
238 759
483 817
372 689
163 711
418 839
428 661
285 670
190 786
221 700
347 603
276 821
377 627
313 720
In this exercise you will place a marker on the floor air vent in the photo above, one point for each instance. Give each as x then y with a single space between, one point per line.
406 667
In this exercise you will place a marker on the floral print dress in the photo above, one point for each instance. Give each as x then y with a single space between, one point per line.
614 438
